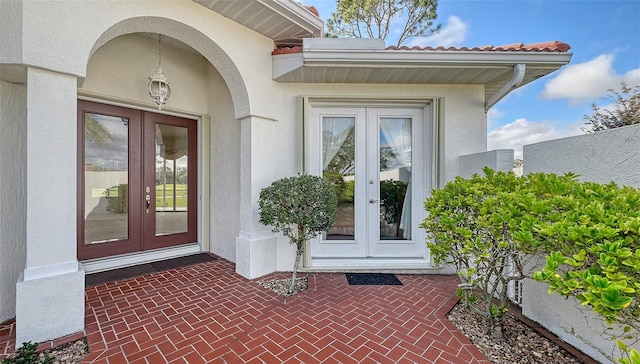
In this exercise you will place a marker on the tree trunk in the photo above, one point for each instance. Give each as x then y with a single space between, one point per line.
299 252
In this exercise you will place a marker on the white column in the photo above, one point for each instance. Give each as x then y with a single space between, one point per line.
256 245
13 201
50 292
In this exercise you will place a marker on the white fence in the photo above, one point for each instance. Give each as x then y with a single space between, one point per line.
605 156
611 155
498 160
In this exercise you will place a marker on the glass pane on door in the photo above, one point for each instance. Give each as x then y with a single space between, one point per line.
106 176
395 178
171 182
339 161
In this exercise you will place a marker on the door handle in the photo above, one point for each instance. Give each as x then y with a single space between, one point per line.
148 200
373 201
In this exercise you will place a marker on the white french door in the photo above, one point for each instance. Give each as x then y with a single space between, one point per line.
377 159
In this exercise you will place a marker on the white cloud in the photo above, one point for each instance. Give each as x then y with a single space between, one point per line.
632 78
522 132
452 34
588 81
493 115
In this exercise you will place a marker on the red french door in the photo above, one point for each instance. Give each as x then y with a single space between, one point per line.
137 180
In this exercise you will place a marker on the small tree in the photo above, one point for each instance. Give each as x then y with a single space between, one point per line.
304 205
625 110
374 18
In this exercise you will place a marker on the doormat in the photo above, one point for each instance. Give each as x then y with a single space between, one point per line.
142 269
373 279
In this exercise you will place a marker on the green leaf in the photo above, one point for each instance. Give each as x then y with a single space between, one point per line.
622 346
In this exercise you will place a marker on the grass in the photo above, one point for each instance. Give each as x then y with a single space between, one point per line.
181 195
161 190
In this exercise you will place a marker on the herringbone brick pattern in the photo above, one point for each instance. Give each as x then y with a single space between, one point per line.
7 338
206 313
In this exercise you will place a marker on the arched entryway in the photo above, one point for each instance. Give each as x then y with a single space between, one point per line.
190 40
208 88
116 77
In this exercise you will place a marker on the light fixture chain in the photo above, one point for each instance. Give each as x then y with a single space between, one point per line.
159 50
159 88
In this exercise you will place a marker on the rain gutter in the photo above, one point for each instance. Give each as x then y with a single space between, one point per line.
518 75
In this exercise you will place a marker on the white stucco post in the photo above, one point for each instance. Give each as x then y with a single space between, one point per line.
256 245
13 154
50 291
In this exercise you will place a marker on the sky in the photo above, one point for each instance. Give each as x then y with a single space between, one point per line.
605 42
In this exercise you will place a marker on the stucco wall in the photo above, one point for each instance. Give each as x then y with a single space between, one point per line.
498 160
122 66
13 201
605 156
611 155
10 31
566 318
225 169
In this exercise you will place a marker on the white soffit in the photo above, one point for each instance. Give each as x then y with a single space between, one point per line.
316 63
285 21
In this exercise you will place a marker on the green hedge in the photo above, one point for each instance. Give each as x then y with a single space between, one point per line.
489 226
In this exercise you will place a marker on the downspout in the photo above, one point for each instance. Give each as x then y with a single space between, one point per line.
514 83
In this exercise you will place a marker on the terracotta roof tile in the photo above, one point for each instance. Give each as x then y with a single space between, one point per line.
312 9
552 46
286 50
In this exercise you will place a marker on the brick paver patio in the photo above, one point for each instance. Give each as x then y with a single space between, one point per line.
206 313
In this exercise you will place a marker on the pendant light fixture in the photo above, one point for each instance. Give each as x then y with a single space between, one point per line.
158 86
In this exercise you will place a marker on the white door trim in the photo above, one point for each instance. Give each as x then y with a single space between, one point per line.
127 260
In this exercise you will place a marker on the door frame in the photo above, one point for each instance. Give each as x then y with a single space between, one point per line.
429 112
203 180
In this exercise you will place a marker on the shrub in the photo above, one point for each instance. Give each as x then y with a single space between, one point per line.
594 232
344 189
304 205
336 180
472 223
392 194
118 204
27 354
488 227
348 193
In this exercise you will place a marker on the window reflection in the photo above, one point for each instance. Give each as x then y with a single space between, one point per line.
395 178
172 172
338 154
106 178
